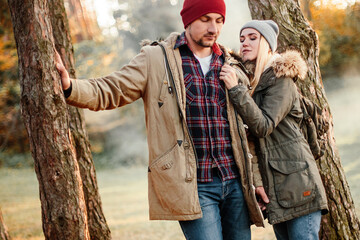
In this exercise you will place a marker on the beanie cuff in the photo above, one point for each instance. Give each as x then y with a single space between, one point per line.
194 9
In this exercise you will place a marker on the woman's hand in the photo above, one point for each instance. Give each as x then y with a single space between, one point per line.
228 75
262 197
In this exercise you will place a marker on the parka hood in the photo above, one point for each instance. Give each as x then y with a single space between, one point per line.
228 55
289 64
171 39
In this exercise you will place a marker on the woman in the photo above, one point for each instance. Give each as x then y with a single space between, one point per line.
270 107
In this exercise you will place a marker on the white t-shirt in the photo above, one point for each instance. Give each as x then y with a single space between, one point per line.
204 63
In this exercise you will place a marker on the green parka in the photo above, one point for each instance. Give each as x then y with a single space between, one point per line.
289 172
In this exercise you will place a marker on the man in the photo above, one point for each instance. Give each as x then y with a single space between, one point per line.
199 164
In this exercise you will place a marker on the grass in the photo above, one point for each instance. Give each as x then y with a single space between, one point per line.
20 203
124 197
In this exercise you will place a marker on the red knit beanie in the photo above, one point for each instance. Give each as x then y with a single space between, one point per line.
193 9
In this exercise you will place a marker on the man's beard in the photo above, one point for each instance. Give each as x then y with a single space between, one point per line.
201 43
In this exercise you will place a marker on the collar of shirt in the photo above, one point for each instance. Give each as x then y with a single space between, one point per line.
181 40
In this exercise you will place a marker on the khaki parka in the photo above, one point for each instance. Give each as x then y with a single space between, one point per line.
172 180
289 172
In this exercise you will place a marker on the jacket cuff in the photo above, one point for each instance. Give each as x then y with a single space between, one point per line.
68 91
237 89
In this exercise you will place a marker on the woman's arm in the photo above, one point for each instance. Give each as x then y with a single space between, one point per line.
276 104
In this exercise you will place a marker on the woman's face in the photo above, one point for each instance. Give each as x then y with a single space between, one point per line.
249 44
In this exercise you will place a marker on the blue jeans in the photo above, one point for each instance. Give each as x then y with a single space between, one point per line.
302 228
225 214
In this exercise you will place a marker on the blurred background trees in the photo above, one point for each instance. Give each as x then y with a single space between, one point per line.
140 19
12 132
82 20
338 28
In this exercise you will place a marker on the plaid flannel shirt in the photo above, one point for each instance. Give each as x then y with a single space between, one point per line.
206 114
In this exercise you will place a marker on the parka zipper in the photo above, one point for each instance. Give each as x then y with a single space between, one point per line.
168 70
238 128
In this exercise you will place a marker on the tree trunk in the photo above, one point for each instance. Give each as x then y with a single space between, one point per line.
46 119
98 227
3 229
295 32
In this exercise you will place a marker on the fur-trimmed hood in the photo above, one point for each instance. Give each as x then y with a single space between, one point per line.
289 64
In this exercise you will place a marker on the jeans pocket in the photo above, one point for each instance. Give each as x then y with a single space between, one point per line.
168 178
293 182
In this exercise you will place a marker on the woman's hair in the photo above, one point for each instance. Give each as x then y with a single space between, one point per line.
262 59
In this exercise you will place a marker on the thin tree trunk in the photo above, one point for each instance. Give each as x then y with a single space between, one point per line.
295 32
4 235
84 24
98 227
305 8
46 119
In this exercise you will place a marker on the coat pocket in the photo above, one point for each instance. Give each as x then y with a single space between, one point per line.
169 181
294 185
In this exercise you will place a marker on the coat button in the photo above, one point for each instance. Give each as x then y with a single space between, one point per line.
250 155
167 165
188 179
246 126
186 145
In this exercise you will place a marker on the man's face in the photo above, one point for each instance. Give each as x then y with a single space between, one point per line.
205 30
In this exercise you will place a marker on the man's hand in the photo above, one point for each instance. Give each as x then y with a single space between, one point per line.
228 75
262 197
65 79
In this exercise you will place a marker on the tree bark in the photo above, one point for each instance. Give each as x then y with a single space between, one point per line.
4 235
98 227
46 119
295 32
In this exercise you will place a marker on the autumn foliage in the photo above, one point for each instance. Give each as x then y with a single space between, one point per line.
339 35
12 131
